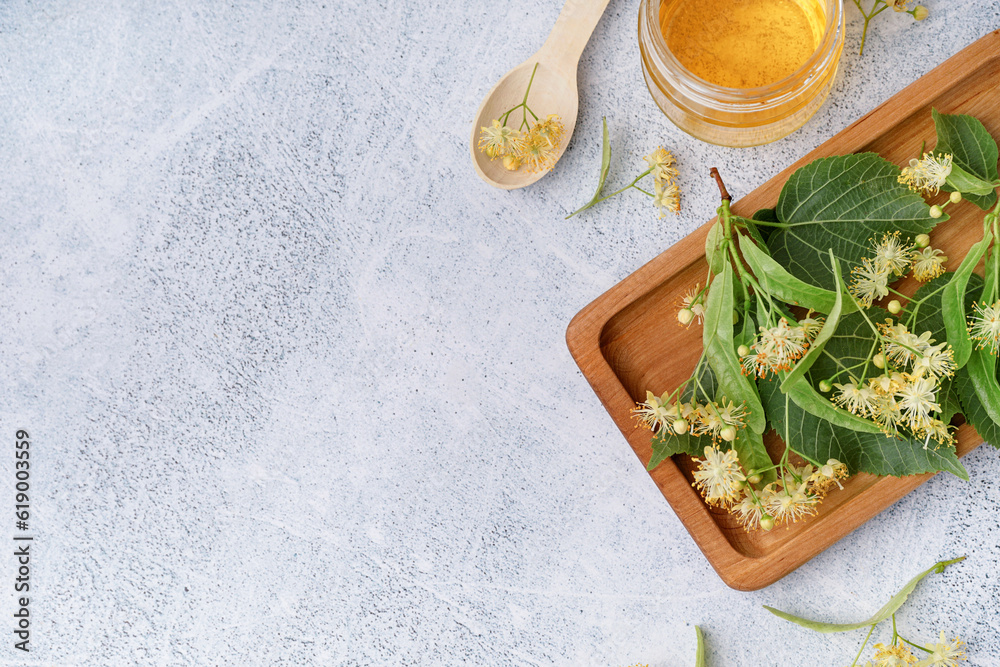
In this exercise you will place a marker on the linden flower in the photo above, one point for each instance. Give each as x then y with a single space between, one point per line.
855 398
655 413
887 383
928 263
550 129
719 419
902 346
944 654
752 508
499 140
696 307
827 475
719 477
667 198
810 327
792 504
662 164
891 255
916 402
777 348
939 431
938 362
893 656
537 154
887 414
984 326
870 282
929 173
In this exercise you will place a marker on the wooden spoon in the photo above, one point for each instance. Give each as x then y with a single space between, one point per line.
552 91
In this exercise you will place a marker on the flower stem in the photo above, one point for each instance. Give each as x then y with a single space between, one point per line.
867 637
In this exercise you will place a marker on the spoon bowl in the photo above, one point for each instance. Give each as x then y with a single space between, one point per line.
553 91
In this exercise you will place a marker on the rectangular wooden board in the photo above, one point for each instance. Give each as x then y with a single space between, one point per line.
628 340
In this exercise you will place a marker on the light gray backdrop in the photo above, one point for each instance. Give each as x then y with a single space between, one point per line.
296 379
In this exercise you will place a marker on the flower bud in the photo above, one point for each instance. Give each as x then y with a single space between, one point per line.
825 386
511 163
743 350
728 433
767 522
919 13
955 197
736 317
922 241
879 360
680 426
754 477
936 211
895 306
685 315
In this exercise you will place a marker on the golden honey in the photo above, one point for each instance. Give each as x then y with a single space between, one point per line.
740 72
742 43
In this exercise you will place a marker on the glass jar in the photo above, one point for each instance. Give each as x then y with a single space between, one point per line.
737 116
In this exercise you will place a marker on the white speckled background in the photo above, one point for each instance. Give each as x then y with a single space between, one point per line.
297 381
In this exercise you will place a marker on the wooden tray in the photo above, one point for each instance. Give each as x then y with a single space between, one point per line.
628 339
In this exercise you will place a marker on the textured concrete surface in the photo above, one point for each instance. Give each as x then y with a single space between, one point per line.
296 379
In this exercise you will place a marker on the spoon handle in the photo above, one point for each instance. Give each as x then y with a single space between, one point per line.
569 36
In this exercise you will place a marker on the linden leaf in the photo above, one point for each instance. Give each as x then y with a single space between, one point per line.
780 283
882 614
828 329
841 202
715 253
720 351
971 148
953 300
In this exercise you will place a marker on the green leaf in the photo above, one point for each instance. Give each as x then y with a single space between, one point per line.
666 443
805 396
926 309
841 202
819 439
766 215
982 369
882 614
720 352
966 183
953 302
974 410
605 167
829 326
699 656
971 148
753 454
763 231
715 254
780 283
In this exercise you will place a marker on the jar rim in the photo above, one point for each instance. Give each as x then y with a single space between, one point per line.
700 86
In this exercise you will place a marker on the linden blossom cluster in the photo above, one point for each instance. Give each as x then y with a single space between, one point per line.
892 259
720 478
717 419
905 394
777 349
722 482
536 149
534 146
